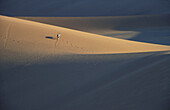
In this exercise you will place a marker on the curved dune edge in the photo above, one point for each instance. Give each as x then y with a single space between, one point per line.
24 36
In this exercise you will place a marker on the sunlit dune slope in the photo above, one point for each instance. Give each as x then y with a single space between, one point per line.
24 36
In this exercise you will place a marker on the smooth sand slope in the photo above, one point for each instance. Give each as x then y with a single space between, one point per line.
32 37
80 71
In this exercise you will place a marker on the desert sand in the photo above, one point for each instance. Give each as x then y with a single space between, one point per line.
94 65
38 37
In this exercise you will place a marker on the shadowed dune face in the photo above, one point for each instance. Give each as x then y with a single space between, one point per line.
83 8
74 82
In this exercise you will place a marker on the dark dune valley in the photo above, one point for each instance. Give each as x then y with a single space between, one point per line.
84 55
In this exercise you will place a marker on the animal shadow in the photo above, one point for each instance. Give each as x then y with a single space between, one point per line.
49 37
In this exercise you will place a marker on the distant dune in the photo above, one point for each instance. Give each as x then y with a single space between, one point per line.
106 24
83 8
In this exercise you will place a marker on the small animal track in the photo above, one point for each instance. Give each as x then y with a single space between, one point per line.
7 35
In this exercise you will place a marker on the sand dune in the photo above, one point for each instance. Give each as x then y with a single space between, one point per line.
110 61
32 37
79 71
